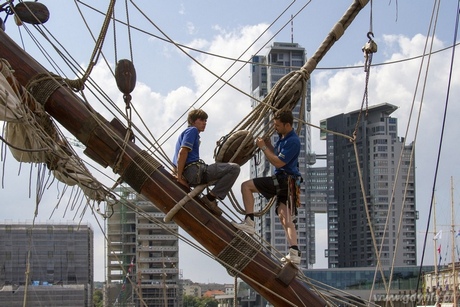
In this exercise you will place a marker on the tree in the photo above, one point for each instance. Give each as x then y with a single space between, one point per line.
98 298
208 302
193 301
190 301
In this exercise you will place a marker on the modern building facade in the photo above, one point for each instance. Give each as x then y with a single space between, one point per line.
387 175
406 289
358 287
142 255
266 70
46 264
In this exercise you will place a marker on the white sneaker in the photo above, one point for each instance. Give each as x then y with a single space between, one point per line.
293 256
247 225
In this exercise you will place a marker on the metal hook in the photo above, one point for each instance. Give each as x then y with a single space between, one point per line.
369 34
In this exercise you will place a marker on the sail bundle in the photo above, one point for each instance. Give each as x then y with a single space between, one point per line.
32 137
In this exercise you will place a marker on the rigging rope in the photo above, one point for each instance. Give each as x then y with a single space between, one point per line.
289 89
100 41
218 77
305 74
442 132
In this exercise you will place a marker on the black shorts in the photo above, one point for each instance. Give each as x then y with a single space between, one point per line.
266 187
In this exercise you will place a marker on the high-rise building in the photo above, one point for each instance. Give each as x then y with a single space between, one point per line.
266 70
142 254
388 178
46 264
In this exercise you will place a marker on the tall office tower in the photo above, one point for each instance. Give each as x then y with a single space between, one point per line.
142 254
46 264
389 191
266 70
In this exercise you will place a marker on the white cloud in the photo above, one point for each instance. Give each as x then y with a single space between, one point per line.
191 29
182 9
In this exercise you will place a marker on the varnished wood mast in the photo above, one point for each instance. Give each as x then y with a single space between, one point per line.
147 176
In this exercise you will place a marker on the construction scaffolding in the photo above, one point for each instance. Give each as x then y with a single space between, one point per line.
142 253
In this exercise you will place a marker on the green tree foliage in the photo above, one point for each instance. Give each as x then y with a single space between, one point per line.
208 302
193 301
98 298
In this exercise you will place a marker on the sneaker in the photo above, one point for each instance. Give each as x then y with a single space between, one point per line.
293 256
211 206
247 226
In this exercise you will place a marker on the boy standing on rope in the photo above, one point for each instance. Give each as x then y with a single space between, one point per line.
190 170
284 157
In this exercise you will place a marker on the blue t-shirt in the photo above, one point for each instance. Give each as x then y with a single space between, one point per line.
189 138
288 149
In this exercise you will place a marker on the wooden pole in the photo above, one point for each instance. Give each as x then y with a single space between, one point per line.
145 175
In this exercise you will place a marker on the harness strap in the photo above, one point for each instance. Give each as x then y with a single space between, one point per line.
204 175
194 163
293 187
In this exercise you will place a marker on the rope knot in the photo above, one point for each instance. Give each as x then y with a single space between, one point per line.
304 73
76 85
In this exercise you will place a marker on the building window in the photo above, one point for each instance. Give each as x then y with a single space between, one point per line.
70 255
297 63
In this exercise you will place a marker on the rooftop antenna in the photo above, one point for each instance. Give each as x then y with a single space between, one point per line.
292 28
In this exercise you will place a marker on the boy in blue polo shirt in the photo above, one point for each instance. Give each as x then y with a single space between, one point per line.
190 170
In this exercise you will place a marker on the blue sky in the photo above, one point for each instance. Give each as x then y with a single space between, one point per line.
169 82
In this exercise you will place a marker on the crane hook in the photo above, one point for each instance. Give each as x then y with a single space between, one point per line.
370 46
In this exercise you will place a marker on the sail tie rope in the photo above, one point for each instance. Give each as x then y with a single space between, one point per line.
43 85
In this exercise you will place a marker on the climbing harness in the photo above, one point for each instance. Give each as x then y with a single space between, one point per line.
199 175
293 190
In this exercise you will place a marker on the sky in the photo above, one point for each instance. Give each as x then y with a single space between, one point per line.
171 78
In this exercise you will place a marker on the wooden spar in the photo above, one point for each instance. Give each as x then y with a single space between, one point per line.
143 173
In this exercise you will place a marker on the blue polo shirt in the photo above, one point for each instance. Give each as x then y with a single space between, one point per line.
189 138
288 149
